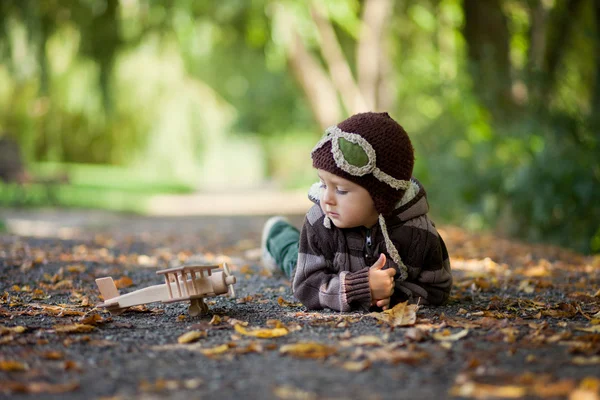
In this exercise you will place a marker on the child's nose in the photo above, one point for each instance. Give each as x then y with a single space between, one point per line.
328 196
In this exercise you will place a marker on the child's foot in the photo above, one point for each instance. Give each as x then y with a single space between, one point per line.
267 258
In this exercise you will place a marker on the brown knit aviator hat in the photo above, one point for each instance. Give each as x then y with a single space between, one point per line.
375 152
371 150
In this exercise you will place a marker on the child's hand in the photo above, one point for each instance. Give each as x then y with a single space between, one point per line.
381 281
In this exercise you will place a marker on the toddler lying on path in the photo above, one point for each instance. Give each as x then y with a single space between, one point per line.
367 241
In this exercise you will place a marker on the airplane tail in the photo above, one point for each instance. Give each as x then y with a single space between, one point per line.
107 287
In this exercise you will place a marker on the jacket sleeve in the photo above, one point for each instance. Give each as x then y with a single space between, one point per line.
318 283
430 276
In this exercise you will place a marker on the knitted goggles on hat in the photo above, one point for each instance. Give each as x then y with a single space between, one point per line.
355 156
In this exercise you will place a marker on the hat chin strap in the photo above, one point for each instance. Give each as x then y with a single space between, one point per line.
392 249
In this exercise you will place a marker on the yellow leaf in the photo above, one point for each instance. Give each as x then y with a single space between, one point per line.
308 350
292 393
402 314
484 391
447 336
123 282
284 303
580 360
215 320
53 355
190 336
364 340
74 328
592 329
263 333
12 329
11 365
356 366
215 350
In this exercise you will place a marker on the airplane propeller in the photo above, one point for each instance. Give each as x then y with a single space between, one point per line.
229 280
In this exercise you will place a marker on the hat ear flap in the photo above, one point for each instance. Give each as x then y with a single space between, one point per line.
353 153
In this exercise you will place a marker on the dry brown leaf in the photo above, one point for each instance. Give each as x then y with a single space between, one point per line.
292 393
215 320
76 268
580 360
308 350
553 389
447 336
395 356
485 391
284 303
53 355
60 310
74 328
92 319
356 366
70 365
263 333
215 351
5 330
402 314
364 340
39 387
591 329
12 365
191 336
123 282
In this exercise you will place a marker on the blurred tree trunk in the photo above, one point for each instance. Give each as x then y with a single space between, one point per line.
331 86
562 18
488 42
105 41
372 61
538 17
595 108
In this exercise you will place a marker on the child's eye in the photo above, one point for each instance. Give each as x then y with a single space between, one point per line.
341 191
323 185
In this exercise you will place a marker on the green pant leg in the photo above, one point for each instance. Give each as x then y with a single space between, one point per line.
283 246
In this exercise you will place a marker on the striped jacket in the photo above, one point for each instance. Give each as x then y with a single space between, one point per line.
333 263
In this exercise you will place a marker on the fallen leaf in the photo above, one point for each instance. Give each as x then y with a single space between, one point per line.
485 391
292 393
123 282
592 329
284 303
12 365
356 366
263 333
92 319
447 336
364 340
395 356
74 328
4 330
39 387
402 314
215 351
191 336
215 320
579 360
308 350
53 355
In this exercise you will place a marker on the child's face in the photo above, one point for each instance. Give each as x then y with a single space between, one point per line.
347 204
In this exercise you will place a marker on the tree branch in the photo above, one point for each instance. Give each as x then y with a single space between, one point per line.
370 55
318 88
339 70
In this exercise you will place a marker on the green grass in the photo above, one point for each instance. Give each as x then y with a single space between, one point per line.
88 186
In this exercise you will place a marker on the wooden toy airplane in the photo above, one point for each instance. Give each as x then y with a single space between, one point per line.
188 282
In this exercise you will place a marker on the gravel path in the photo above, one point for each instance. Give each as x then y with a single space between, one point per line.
522 321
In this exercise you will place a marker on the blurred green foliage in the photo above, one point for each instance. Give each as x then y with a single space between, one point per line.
501 99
